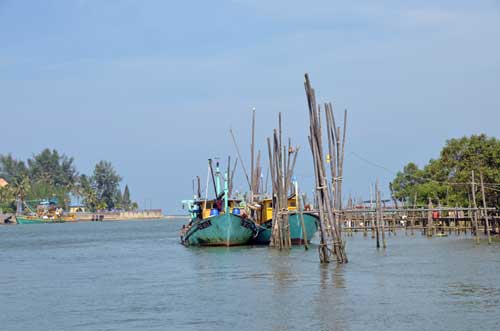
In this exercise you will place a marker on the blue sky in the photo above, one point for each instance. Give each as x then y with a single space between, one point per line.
155 86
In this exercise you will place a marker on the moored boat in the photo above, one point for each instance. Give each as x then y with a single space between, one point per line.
217 222
37 220
46 212
298 233
219 230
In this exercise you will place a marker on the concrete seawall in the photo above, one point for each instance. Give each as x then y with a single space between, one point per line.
120 215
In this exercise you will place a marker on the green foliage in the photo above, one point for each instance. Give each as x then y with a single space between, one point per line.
47 175
447 179
11 168
42 190
106 182
20 186
7 199
50 174
85 190
118 200
405 183
126 202
53 169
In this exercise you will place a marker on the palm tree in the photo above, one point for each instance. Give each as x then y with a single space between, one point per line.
21 186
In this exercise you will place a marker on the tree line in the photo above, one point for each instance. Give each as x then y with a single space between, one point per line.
51 174
447 179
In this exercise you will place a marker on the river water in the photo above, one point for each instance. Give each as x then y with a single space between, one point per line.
135 275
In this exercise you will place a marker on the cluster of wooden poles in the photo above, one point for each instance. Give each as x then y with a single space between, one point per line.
281 163
328 193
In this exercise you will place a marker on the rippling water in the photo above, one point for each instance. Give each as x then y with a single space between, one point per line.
136 276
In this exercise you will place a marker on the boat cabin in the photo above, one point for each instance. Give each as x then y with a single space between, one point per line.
216 207
266 211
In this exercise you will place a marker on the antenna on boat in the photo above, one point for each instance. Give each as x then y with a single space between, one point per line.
241 160
198 191
213 176
252 152
231 179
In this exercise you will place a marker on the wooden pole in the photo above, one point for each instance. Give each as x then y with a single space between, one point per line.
228 175
413 215
252 152
372 216
485 211
377 224
381 218
198 191
429 219
476 227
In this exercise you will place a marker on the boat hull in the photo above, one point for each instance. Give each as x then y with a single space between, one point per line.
296 232
27 220
220 230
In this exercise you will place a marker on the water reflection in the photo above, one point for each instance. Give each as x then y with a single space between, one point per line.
329 301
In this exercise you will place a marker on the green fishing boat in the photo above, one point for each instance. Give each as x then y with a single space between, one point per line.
298 233
37 220
217 222
42 211
219 230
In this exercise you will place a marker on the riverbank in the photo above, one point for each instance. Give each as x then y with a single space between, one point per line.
151 214
120 215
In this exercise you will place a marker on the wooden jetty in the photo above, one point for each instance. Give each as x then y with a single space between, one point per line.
430 221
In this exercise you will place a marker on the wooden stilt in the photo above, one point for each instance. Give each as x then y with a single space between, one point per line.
476 227
486 220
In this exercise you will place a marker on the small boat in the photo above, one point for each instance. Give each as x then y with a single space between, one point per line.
46 212
298 234
38 220
217 222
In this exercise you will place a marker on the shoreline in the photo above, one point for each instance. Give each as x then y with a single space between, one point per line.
110 217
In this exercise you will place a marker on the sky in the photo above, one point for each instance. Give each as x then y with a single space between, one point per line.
155 86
